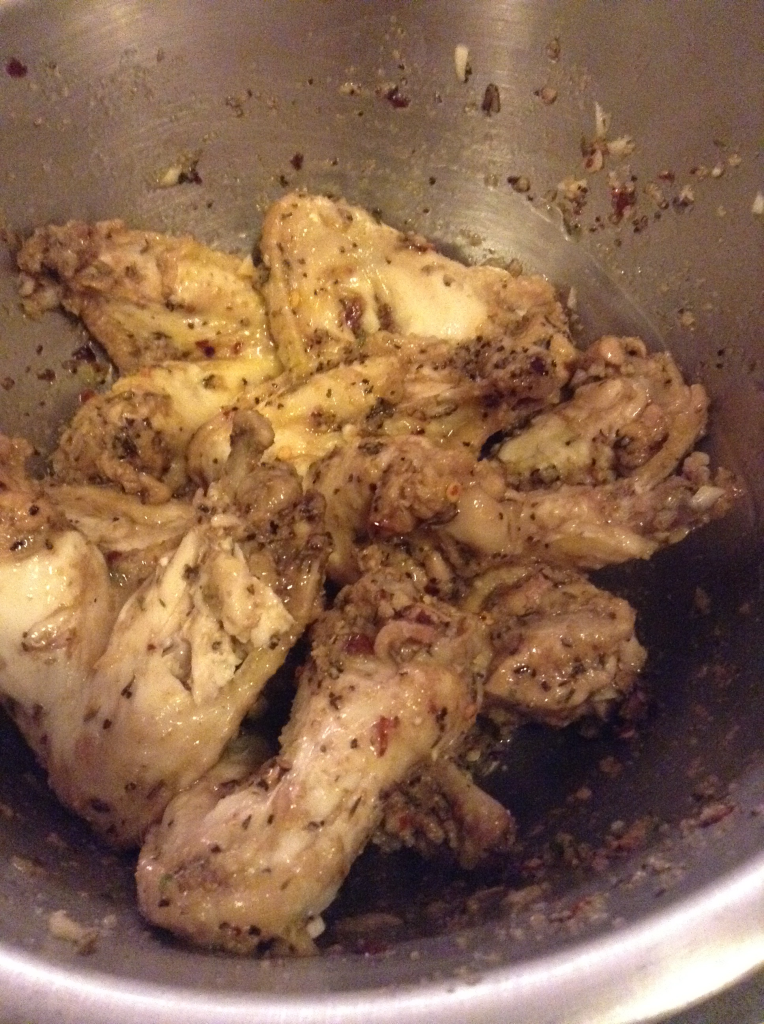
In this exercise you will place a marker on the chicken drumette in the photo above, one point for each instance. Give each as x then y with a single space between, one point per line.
243 858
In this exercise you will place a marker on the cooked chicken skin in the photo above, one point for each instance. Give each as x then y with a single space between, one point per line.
630 415
165 687
391 487
147 297
193 648
57 606
157 430
386 487
131 535
466 393
392 683
188 655
337 275
136 435
591 527
309 418
358 408
408 386
563 648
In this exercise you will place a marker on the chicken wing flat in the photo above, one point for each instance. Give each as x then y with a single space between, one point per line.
388 487
57 606
631 415
337 275
591 527
467 393
392 683
309 418
165 686
136 435
158 430
144 296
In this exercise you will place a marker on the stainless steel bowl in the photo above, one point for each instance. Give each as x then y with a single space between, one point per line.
97 99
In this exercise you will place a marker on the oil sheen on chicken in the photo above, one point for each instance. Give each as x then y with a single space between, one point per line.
353 440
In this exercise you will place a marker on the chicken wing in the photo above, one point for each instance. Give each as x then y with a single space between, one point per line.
193 647
144 296
468 392
441 811
132 536
591 527
309 418
392 683
338 275
387 487
403 386
563 648
631 414
136 435
326 413
55 596
151 699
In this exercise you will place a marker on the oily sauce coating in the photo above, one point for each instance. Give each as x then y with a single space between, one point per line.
350 441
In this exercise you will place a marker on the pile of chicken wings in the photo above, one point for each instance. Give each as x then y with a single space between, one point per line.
348 439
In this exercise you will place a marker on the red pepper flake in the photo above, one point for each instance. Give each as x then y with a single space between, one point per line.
359 643
396 98
15 68
297 161
491 100
206 348
86 395
623 198
381 732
